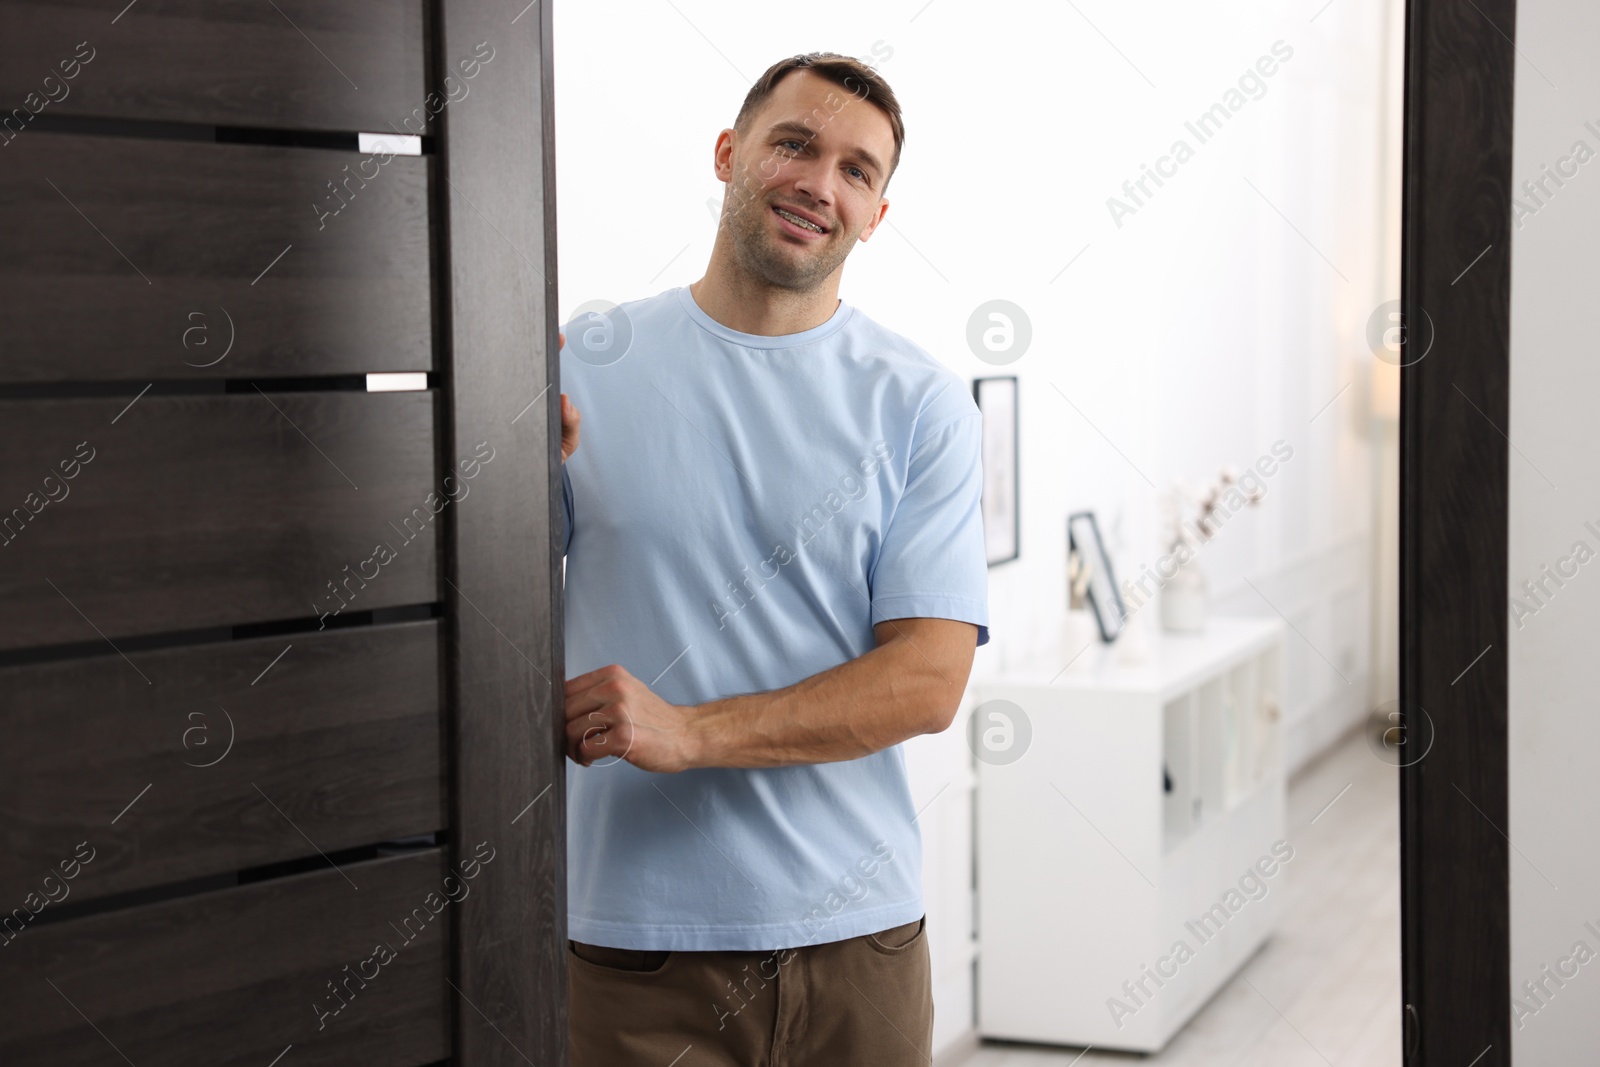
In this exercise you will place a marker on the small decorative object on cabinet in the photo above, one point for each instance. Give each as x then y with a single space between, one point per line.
1083 537
1183 592
1135 856
1183 599
1080 632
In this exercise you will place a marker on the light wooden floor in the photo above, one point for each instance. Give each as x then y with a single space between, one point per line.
1331 972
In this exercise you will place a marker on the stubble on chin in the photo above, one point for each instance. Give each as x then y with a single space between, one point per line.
755 244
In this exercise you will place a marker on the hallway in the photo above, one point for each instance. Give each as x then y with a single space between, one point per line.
1326 988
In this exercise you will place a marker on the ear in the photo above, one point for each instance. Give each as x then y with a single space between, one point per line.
722 156
883 209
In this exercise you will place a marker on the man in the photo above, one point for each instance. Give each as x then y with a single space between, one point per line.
775 575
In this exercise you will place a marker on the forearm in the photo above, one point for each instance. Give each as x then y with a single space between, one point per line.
900 689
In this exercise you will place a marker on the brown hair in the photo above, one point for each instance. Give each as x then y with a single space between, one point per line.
860 80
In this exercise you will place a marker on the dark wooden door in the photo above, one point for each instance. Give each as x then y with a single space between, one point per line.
1455 891
282 772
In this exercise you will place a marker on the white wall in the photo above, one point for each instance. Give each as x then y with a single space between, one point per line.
1554 672
1199 332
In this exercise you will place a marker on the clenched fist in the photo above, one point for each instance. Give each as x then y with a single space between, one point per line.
612 713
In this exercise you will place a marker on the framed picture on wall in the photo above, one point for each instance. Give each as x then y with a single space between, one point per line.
1002 522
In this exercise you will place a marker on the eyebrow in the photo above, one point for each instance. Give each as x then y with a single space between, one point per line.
807 134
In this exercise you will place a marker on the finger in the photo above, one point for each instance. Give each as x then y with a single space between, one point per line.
577 730
578 683
585 703
612 743
575 692
594 745
563 337
610 698
570 424
588 743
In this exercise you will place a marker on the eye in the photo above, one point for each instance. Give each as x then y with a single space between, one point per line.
800 146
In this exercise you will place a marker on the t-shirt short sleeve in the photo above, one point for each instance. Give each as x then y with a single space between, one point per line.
932 563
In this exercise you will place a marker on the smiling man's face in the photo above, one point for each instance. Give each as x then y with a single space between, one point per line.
815 156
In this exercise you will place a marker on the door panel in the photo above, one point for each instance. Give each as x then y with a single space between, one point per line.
296 64
253 752
197 511
133 259
194 981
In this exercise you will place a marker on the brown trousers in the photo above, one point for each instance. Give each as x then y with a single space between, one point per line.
865 1000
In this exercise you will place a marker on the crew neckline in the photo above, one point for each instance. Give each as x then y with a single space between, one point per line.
836 321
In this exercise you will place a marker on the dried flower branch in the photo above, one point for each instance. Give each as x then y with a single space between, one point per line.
1212 502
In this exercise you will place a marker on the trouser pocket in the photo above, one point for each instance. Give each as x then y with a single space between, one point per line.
898 938
640 961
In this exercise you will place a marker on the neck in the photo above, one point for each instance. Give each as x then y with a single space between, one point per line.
749 305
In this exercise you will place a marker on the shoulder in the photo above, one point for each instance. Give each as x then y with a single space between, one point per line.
599 334
928 394
596 312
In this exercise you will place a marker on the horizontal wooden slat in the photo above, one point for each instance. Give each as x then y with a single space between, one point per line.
232 978
134 259
199 511
305 64
235 755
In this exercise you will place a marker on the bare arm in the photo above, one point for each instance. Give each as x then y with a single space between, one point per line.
910 684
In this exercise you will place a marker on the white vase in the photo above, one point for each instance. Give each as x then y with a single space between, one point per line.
1183 600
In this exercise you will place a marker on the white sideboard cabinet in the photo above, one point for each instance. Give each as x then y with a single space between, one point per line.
1130 835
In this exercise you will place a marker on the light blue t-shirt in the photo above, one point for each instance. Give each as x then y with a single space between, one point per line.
739 513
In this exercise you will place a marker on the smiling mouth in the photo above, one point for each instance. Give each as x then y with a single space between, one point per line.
796 220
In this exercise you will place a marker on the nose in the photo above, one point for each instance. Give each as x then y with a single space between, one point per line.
814 181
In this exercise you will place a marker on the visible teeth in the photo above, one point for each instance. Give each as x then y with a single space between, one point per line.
798 221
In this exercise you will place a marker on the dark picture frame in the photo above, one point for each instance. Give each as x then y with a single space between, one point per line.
1002 513
1083 537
